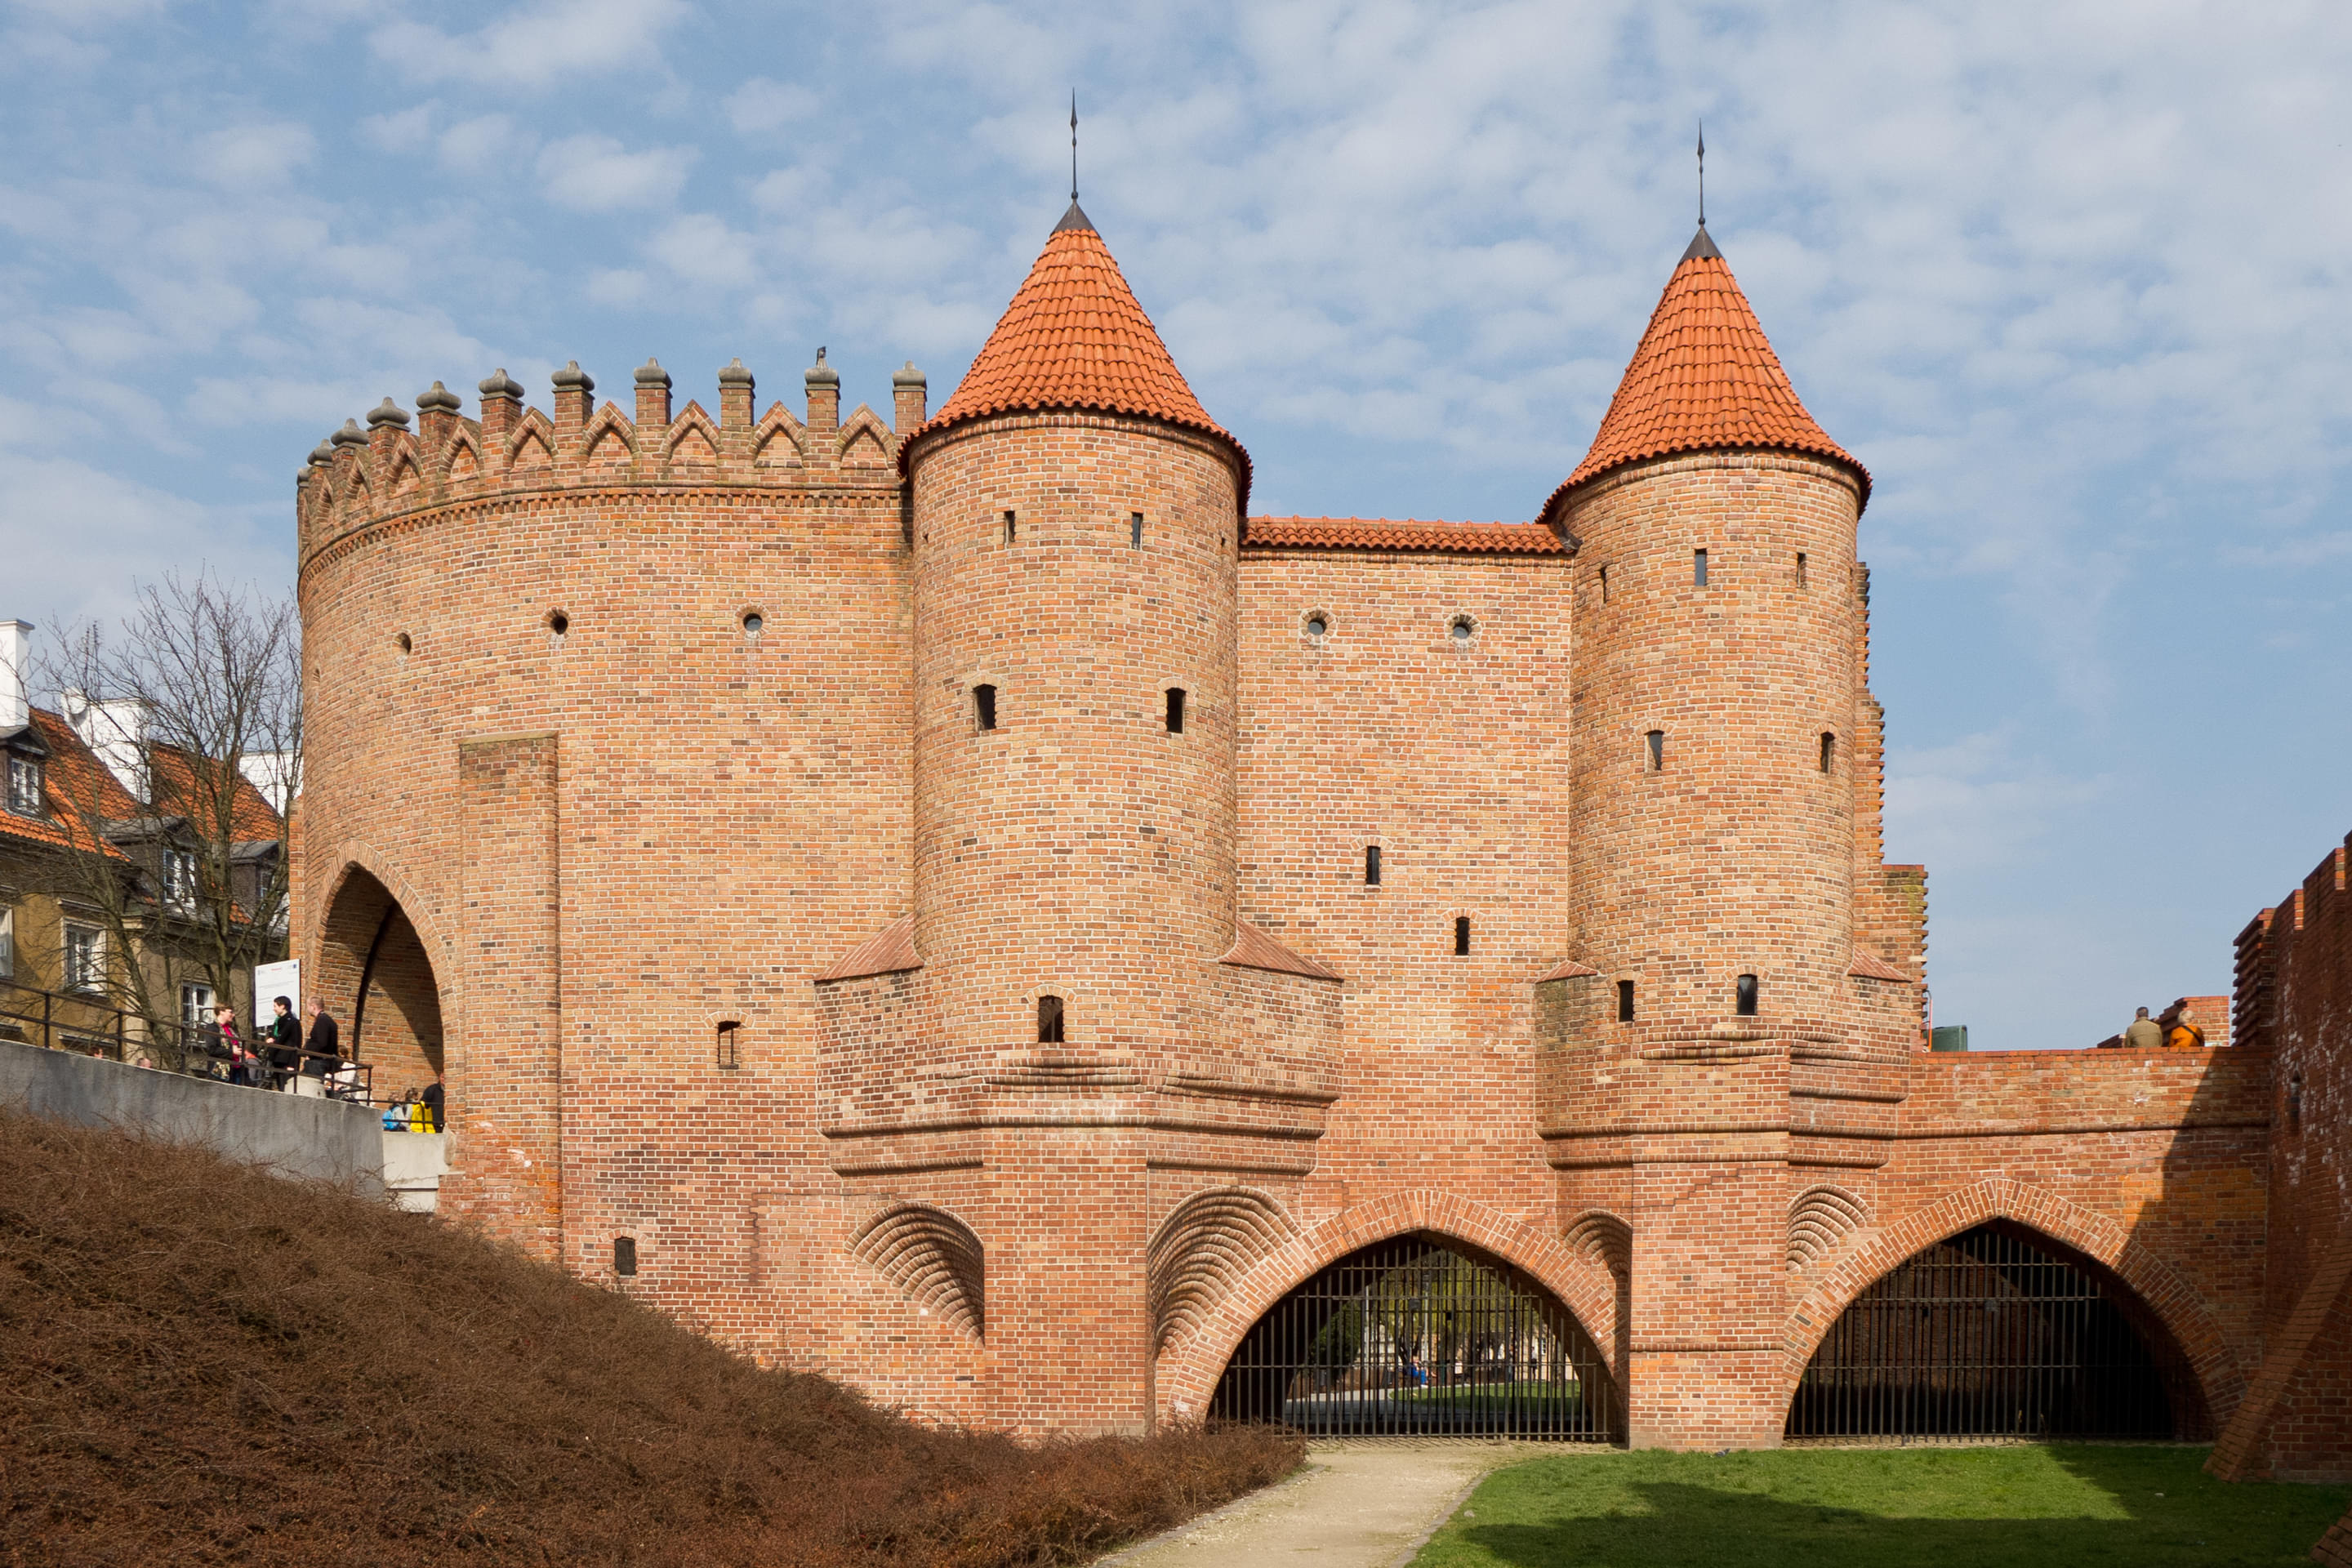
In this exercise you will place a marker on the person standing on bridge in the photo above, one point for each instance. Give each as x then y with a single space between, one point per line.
324 1045
2143 1035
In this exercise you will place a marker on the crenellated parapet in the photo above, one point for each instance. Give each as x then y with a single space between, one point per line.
357 478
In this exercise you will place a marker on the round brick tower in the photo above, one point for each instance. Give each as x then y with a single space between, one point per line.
1075 513
1722 1049
1717 672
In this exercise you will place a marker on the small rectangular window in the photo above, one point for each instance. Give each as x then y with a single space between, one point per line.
1655 741
1009 528
1175 709
1135 530
1800 568
1461 936
726 1053
85 958
1828 750
1745 994
625 1255
1049 1020
1372 865
1604 584
1698 568
7 944
1624 1001
195 1005
25 785
984 706
180 877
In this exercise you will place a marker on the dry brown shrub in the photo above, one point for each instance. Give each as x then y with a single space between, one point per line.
201 1364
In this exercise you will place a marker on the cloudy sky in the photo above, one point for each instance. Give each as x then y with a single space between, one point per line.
2069 276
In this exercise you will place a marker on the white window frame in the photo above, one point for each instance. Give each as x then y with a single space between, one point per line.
25 783
7 942
179 878
195 1004
82 976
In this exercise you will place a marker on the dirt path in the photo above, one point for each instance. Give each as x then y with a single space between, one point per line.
1356 1505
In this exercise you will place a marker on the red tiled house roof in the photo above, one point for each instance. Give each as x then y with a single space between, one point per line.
78 786
1075 337
1705 378
251 819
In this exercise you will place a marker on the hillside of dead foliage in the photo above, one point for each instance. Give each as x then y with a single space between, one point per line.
201 1364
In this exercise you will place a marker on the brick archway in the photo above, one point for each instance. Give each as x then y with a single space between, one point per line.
2165 1297
379 963
1188 1373
356 854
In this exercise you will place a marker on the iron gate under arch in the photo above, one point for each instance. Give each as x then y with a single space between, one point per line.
1986 1334
1420 1336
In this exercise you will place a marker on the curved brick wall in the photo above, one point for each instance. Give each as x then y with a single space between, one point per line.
1079 848
1737 857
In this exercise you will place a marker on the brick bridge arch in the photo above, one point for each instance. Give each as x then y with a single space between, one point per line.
2162 1293
1187 1374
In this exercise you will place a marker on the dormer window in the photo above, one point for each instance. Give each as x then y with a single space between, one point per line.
25 785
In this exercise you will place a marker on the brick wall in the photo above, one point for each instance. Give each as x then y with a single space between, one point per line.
2293 996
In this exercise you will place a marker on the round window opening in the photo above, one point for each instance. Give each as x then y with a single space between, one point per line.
1316 625
1463 628
752 622
558 622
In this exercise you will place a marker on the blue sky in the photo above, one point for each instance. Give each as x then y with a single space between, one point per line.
2069 277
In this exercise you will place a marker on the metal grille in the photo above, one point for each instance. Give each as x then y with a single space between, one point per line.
1417 1337
1985 1335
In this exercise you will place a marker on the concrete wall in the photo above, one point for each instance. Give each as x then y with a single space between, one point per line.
323 1139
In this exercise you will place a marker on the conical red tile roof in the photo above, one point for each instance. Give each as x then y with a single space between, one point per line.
1073 337
1705 379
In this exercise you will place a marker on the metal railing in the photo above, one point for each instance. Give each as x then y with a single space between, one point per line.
1414 1337
1982 1336
79 1022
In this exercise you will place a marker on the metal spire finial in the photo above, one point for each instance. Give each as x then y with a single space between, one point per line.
1702 172
1074 146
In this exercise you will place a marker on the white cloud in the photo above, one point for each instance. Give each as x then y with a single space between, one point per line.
481 143
256 154
701 248
760 106
534 47
593 173
1977 804
404 131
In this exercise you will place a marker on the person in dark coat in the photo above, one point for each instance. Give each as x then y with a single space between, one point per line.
434 1092
325 1044
285 1041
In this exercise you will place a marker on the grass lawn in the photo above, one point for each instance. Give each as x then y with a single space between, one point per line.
1844 1507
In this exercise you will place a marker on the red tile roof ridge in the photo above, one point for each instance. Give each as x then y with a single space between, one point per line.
891 950
1407 534
1075 337
1704 378
1253 949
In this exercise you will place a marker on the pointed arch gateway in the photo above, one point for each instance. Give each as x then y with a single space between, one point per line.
1421 1335
377 973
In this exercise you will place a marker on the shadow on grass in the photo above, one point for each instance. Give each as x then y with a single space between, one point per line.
2149 1508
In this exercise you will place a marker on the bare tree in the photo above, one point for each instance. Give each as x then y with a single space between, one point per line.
195 708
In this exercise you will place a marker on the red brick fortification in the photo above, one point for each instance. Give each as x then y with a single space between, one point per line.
2295 1003
649 795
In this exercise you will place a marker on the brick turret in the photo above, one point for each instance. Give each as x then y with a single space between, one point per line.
1712 818
1074 519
